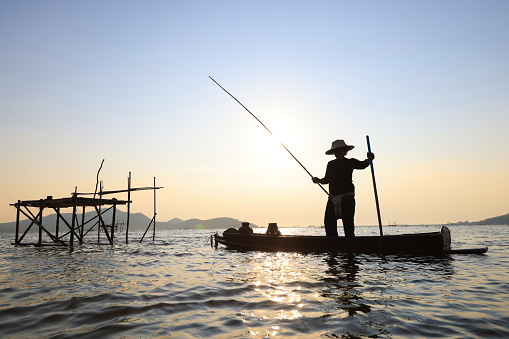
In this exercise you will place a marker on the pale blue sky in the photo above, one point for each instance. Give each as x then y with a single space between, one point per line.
127 81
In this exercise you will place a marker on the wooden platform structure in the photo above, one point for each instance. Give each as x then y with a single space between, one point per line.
66 232
73 229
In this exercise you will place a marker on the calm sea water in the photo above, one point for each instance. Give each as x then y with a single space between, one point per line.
180 287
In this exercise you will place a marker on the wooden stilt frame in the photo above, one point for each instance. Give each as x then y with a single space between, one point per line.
76 230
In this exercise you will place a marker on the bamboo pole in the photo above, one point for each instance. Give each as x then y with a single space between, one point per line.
18 207
128 208
82 233
113 222
57 226
41 208
155 213
375 190
99 210
382 242
301 165
73 223
148 227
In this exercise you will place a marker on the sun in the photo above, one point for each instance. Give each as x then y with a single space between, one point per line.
270 147
270 151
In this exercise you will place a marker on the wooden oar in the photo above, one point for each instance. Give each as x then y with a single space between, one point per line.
269 132
382 245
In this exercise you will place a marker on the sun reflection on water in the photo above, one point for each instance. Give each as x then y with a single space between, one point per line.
278 281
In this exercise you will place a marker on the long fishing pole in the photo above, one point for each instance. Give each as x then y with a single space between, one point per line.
268 130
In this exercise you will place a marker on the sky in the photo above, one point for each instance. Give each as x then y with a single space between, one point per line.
128 82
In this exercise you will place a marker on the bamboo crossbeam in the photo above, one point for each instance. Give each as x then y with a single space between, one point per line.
125 190
68 202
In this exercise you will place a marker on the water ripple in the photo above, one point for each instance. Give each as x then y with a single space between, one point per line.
179 287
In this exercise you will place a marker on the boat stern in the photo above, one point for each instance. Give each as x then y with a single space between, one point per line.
446 236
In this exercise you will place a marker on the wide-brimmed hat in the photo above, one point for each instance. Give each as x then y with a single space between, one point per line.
336 144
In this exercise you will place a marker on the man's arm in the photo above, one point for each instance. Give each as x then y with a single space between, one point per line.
325 179
317 180
370 156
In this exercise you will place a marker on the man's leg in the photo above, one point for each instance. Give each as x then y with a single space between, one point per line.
348 209
330 220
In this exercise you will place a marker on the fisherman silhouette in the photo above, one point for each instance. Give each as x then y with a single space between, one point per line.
341 202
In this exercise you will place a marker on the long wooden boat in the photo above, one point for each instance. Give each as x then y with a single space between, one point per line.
418 243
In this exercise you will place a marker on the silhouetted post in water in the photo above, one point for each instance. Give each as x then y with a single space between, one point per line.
74 196
153 220
154 233
113 220
18 206
99 222
40 224
82 233
57 227
128 207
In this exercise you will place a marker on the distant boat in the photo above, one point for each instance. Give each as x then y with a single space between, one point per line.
434 243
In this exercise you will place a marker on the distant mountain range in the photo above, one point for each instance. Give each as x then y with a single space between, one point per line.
137 222
140 222
500 220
